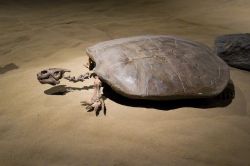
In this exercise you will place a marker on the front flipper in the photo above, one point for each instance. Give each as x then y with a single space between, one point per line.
96 102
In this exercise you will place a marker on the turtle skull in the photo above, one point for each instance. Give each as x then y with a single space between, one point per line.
51 76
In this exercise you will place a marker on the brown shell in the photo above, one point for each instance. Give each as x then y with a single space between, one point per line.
159 67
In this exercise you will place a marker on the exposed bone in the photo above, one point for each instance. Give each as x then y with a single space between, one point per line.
51 75
81 78
96 102
97 87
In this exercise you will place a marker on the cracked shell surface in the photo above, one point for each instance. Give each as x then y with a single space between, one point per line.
159 67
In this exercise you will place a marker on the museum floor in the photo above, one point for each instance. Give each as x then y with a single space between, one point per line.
39 129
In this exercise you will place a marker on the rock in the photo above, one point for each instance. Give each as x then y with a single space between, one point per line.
234 49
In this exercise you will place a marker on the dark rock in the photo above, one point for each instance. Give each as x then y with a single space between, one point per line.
235 50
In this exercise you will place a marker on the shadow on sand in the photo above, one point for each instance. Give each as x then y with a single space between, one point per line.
222 100
8 67
63 89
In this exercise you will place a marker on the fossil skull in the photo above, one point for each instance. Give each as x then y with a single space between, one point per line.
51 76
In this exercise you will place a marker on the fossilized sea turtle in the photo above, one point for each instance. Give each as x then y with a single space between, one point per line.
159 67
155 68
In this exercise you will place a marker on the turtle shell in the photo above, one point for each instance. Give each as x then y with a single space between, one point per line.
159 67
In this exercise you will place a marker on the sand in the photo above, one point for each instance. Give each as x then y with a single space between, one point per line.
37 129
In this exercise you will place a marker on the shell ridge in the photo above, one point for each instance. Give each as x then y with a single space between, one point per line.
131 61
175 71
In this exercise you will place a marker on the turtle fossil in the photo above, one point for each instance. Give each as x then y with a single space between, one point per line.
154 68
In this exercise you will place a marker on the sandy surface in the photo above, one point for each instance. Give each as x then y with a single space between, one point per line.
37 129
